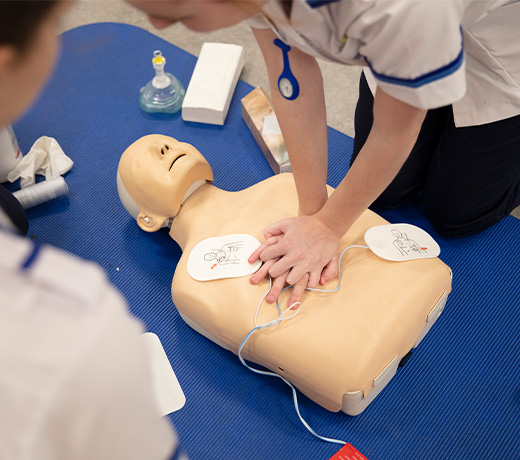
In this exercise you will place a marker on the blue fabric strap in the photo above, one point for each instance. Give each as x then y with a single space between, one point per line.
318 3
31 258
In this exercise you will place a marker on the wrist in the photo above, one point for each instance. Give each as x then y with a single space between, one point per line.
331 224
311 205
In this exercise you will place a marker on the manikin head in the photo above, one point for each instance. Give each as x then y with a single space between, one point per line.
156 175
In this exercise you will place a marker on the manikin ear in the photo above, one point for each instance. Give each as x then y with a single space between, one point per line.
150 222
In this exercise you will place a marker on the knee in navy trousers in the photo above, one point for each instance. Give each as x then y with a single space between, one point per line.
468 178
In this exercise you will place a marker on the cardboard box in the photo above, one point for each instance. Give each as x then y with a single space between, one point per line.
256 106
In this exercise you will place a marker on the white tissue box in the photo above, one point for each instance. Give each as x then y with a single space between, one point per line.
213 83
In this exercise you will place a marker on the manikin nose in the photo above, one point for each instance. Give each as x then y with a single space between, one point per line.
165 149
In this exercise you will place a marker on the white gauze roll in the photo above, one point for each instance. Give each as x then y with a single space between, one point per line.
41 192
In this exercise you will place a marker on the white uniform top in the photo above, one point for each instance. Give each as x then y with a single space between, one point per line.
74 378
427 53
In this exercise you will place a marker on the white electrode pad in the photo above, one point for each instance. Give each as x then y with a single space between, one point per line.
399 242
223 257
168 392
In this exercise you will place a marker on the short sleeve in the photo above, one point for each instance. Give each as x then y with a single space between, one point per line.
414 50
105 409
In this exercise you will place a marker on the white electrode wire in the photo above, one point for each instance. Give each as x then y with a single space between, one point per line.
339 270
279 320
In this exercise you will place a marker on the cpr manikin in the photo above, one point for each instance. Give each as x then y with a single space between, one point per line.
343 347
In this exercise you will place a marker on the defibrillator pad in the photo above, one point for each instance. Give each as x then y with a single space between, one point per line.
223 257
400 242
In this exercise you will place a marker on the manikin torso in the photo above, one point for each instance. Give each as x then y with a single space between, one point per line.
338 342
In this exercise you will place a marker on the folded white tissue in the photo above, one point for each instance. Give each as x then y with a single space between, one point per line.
213 83
46 157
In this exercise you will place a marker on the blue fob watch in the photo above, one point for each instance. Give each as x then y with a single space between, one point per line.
287 83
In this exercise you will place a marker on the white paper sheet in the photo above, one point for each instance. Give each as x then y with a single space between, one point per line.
168 392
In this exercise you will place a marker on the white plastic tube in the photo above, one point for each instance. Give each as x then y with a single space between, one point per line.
41 192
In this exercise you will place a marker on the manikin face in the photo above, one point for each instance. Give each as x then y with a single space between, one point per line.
157 171
198 15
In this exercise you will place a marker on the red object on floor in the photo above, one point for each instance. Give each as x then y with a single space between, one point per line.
348 452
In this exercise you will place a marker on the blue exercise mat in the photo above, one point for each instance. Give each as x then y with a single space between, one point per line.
457 398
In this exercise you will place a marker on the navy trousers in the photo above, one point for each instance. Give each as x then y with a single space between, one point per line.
14 210
468 178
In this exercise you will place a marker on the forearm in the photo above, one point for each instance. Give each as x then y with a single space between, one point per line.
304 127
395 130
302 121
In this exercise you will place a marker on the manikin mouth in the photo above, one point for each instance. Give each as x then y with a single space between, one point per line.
173 162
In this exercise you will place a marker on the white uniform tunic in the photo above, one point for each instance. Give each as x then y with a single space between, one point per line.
427 53
74 378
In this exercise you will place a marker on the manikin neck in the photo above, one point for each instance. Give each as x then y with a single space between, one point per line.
191 190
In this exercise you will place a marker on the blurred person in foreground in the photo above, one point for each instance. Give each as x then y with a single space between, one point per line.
75 381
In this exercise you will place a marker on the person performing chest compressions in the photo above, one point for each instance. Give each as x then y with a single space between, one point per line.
441 118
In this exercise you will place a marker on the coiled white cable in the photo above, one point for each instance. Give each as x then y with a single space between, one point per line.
279 320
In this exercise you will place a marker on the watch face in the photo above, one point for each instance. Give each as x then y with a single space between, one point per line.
286 87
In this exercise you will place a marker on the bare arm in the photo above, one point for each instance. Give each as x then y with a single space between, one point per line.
304 127
309 242
394 132
303 120
296 250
